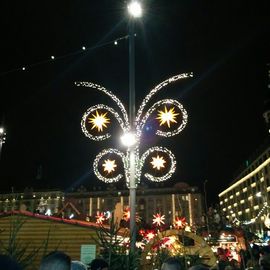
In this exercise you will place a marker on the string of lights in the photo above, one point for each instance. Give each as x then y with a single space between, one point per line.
252 220
54 58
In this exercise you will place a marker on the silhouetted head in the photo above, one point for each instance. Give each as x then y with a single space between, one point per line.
99 264
77 265
56 260
171 264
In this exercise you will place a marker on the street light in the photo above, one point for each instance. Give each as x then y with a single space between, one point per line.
95 125
135 9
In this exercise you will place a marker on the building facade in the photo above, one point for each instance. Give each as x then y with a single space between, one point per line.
247 198
171 202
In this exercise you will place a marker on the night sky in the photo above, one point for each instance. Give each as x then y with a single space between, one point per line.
225 43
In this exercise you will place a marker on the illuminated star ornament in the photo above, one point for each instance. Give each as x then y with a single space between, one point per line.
158 162
99 121
158 219
167 116
180 223
109 165
100 218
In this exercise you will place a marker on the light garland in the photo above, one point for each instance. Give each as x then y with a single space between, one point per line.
104 136
97 160
158 88
140 122
172 161
253 220
140 126
111 95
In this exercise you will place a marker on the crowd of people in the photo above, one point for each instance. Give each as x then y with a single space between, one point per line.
55 260
259 259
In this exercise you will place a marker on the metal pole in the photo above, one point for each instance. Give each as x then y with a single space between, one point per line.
132 165
206 207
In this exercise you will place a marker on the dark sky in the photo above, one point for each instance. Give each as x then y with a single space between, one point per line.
225 43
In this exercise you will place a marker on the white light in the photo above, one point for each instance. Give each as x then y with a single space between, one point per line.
259 194
115 43
83 48
2 130
128 139
135 9
48 212
52 57
23 68
71 216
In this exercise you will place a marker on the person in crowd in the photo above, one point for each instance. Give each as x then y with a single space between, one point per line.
7 262
99 264
77 265
198 267
171 264
56 260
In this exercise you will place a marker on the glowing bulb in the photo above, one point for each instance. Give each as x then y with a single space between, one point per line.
128 139
115 43
83 48
135 9
2 130
52 57
158 162
109 165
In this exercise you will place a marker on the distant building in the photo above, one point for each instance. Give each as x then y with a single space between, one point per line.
180 200
245 198
248 197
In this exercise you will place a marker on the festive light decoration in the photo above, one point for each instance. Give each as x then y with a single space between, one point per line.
158 162
99 121
158 219
172 162
181 126
109 165
252 220
180 223
150 234
168 111
167 116
100 218
105 152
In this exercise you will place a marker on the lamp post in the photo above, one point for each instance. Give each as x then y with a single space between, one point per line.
2 139
135 11
96 122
